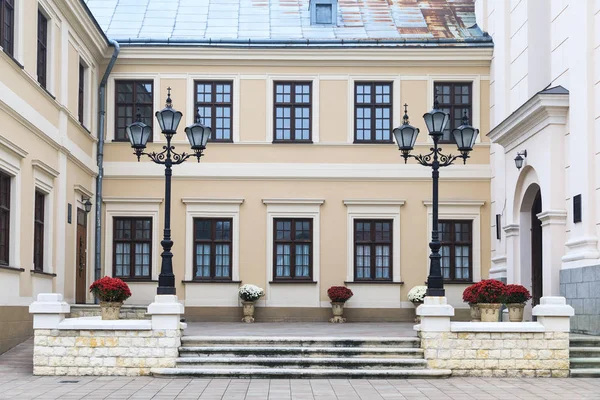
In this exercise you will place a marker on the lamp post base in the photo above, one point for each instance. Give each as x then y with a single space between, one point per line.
165 290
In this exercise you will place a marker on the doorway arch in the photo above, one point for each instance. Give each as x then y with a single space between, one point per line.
531 257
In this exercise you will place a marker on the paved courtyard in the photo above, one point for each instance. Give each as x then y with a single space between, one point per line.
17 382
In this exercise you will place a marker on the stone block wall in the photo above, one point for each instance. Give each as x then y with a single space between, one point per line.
93 310
499 354
581 288
104 352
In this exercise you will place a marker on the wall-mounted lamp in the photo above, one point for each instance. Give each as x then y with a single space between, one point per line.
87 204
519 159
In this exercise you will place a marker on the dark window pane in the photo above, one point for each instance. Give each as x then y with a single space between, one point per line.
132 247
214 104
456 100
292 111
372 249
456 240
292 249
212 257
373 112
132 98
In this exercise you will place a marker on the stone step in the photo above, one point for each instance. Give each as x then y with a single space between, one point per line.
300 362
585 362
584 352
584 341
298 373
262 351
585 373
245 341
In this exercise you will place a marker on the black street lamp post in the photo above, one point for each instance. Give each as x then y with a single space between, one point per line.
198 135
464 136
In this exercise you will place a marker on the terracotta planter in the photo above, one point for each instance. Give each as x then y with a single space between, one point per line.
475 313
110 310
515 312
338 311
490 312
248 307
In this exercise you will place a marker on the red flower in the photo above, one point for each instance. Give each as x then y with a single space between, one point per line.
486 291
110 289
339 294
470 295
516 294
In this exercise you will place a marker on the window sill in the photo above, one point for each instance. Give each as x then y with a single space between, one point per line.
293 282
12 58
455 283
373 142
211 281
42 273
292 142
12 269
47 91
374 282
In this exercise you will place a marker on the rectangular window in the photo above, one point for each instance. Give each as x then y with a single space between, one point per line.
457 249
292 249
81 98
373 249
456 99
212 248
132 248
42 48
131 98
7 26
214 103
293 112
38 233
373 112
4 217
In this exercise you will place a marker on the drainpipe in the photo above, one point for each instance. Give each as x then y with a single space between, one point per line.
100 156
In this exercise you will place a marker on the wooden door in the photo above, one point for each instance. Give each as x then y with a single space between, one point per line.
536 250
81 258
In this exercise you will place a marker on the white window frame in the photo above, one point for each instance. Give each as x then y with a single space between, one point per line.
212 208
396 102
10 163
190 111
373 209
157 136
475 80
43 178
131 207
315 103
466 210
53 27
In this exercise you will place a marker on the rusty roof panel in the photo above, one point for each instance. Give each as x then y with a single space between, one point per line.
131 20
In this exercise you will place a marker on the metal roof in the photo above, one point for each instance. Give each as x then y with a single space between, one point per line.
287 22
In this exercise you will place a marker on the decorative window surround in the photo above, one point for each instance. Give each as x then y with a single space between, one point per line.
315 103
10 162
157 101
43 177
372 294
396 109
293 294
131 207
460 210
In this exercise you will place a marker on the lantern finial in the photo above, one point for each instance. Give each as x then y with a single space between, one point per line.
405 117
169 103
465 118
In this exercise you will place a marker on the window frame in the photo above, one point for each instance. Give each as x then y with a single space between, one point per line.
5 7
5 187
372 106
452 243
292 241
118 82
292 105
131 243
81 98
213 242
39 230
372 243
452 105
42 49
213 105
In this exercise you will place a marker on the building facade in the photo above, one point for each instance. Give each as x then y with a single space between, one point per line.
301 187
543 102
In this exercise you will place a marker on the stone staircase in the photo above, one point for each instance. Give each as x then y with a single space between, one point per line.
584 353
293 357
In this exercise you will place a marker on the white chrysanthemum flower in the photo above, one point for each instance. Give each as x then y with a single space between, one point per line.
417 294
250 292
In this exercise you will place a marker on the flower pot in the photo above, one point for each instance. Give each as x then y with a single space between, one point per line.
110 310
417 318
475 313
338 310
248 307
490 312
515 312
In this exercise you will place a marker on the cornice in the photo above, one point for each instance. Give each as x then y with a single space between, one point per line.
537 113
119 199
197 200
83 191
294 201
457 203
79 18
13 148
42 166
374 202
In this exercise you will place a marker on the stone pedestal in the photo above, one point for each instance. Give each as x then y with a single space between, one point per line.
435 313
48 310
166 312
554 313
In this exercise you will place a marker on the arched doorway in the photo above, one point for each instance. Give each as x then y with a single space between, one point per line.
536 249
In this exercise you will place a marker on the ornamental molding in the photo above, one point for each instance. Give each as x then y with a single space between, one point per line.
553 217
45 168
537 113
511 230
13 148
293 201
83 191
374 202
457 203
198 200
115 199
